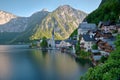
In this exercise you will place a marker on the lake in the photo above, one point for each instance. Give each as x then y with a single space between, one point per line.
19 62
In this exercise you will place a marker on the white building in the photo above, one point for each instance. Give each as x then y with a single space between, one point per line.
64 44
107 26
87 41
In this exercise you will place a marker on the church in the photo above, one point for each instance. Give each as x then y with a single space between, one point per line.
51 42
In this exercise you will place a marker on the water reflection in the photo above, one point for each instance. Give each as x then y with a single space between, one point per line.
4 66
18 63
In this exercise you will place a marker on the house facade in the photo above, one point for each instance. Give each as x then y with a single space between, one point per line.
87 41
104 47
107 26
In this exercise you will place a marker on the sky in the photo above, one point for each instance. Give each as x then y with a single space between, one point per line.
26 8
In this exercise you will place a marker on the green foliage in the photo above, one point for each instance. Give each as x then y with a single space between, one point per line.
115 31
117 43
108 10
77 48
44 43
103 59
84 54
81 53
95 47
110 70
83 61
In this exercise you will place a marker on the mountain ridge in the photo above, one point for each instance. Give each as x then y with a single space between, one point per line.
40 24
64 18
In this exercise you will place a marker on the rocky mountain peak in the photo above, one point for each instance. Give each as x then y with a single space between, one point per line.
45 9
5 17
40 13
65 7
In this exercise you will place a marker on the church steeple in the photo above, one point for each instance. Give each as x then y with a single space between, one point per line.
53 32
53 40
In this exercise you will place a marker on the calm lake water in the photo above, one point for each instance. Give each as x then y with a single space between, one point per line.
18 62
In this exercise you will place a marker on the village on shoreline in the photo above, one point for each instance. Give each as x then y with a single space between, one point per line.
92 42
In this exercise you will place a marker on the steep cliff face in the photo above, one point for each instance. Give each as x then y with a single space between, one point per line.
108 10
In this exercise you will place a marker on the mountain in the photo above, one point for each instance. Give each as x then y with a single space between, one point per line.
34 21
5 17
108 10
18 24
17 27
64 19
11 23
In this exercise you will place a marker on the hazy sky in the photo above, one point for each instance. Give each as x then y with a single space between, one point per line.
27 7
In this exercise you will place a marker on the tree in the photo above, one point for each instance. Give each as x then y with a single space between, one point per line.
117 43
44 43
108 10
95 47
84 54
103 59
77 48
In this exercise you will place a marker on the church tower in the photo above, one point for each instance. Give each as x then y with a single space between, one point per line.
53 39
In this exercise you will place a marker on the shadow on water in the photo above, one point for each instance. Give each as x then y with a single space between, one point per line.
83 61
44 52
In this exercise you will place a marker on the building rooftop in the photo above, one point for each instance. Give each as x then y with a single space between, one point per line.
88 37
107 23
110 41
90 26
